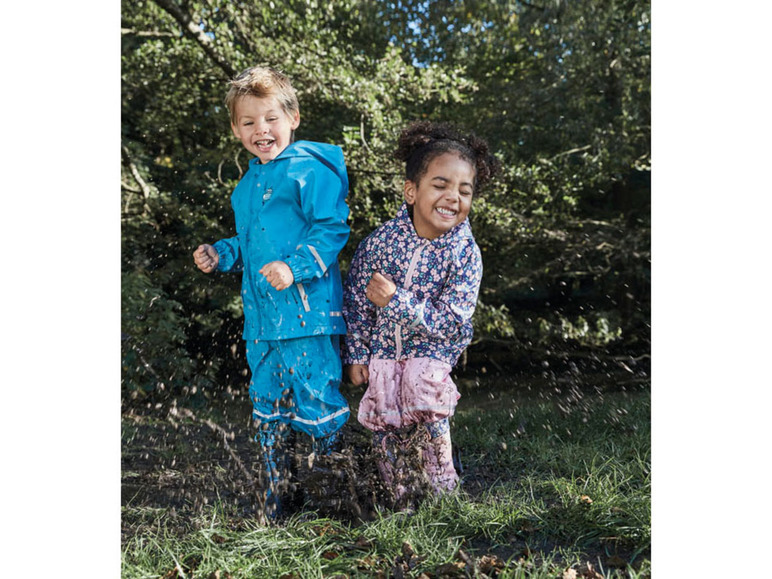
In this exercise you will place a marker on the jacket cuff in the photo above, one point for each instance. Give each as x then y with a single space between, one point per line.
225 257
404 308
300 269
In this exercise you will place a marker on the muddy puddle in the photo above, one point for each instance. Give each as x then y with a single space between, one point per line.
182 459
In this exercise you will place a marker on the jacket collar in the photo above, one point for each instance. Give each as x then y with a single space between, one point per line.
288 152
460 231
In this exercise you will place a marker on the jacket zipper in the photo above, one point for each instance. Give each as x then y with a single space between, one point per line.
408 282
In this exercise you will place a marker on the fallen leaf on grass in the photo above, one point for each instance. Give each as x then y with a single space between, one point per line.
588 572
188 565
468 561
407 550
490 563
451 569
330 555
326 529
370 563
407 561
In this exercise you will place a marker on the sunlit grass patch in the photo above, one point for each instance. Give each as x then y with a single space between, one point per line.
581 478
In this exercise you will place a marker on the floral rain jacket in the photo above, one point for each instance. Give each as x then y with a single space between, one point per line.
437 286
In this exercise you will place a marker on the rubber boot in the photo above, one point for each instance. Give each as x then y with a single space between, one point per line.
387 450
400 465
275 465
438 458
326 445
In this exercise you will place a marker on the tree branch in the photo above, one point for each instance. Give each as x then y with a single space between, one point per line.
362 133
129 188
194 32
146 33
129 164
572 151
236 160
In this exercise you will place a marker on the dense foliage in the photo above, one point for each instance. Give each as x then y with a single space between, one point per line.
560 89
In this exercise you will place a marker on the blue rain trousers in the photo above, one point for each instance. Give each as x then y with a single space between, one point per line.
297 382
294 386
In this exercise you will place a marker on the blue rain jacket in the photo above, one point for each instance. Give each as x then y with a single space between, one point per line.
291 209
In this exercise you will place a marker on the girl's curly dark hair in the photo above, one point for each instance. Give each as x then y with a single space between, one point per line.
423 141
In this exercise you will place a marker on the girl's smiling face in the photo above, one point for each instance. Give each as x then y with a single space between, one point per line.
263 127
443 196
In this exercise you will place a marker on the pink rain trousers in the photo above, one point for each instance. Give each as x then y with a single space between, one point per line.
407 405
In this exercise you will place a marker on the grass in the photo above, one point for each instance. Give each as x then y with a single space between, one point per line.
548 487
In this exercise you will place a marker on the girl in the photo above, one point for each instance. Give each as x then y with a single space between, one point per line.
408 304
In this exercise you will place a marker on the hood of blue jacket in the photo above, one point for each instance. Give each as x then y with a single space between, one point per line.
329 155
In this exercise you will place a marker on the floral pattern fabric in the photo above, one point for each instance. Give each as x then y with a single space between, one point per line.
438 282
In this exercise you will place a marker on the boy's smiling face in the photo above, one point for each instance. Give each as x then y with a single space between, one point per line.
263 127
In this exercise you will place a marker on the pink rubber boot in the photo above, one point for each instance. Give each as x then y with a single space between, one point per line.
388 467
438 463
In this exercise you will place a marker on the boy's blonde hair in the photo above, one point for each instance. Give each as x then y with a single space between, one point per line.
261 82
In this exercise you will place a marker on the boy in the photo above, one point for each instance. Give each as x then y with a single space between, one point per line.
290 226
